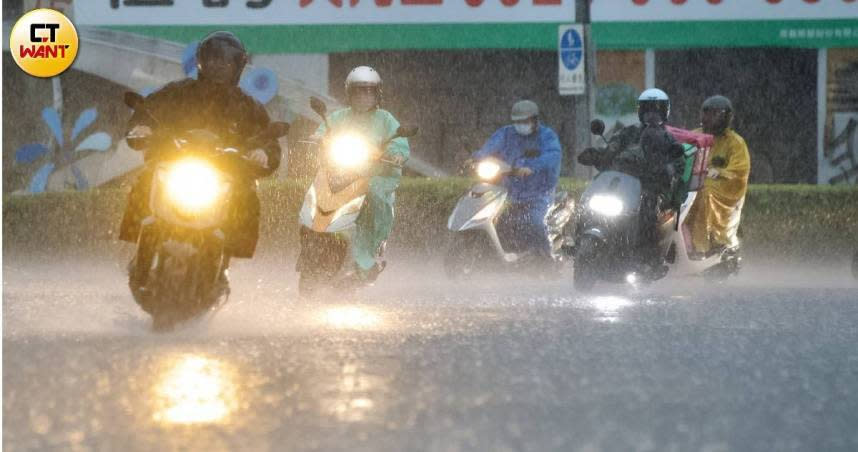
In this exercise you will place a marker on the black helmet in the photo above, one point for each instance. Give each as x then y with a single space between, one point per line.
656 101
221 58
719 104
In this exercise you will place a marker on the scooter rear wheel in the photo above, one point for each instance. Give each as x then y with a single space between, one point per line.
729 266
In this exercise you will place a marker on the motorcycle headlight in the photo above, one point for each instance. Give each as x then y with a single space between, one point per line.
349 151
193 185
488 170
609 206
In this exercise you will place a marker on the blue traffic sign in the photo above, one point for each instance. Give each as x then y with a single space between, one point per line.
571 49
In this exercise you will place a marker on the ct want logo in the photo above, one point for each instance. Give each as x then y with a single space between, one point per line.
44 43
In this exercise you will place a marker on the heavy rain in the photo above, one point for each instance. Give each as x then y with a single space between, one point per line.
260 258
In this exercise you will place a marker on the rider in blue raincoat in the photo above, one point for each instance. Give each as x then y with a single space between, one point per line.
533 150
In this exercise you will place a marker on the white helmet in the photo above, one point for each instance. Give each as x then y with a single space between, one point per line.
656 100
364 76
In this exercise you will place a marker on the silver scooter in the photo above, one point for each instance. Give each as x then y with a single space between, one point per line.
475 243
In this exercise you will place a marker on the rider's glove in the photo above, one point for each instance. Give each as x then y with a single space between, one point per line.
713 173
396 160
139 136
523 171
140 131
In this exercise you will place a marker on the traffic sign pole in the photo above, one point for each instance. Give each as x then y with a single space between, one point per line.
584 104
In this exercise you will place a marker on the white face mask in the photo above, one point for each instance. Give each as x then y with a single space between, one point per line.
363 102
524 129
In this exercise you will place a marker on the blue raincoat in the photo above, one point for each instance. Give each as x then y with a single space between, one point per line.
529 196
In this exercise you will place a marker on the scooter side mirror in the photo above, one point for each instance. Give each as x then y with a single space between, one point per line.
133 100
597 127
318 106
589 157
406 131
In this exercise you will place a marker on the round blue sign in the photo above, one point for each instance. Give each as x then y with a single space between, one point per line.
189 59
571 49
260 84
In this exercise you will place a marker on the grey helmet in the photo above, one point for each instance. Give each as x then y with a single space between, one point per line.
524 109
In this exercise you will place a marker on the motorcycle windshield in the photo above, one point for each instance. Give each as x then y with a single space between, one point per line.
476 206
339 180
622 186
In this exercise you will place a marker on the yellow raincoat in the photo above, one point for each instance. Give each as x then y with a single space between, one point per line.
715 214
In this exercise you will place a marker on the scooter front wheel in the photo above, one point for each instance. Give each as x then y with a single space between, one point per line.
462 256
585 268
308 283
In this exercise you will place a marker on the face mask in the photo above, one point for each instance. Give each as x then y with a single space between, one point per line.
363 102
524 129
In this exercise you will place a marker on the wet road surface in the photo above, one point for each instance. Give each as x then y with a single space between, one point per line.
768 362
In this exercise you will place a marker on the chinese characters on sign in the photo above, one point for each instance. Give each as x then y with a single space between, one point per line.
338 3
818 33
319 12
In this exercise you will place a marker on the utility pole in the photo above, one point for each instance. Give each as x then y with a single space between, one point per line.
584 105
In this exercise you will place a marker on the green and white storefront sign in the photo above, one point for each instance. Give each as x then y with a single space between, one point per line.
324 26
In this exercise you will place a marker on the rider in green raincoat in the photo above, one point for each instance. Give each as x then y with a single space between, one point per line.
363 88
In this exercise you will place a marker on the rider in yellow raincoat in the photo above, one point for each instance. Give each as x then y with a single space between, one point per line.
363 88
715 215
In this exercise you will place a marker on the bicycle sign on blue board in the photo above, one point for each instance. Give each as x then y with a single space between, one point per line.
570 54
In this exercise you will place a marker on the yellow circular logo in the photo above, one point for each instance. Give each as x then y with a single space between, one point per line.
43 42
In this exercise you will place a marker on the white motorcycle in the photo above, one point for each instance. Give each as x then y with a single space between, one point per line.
334 201
476 243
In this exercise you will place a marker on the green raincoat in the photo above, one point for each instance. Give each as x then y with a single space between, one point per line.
376 219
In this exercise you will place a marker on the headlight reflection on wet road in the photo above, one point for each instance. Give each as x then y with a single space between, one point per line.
195 390
608 308
350 317
351 400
